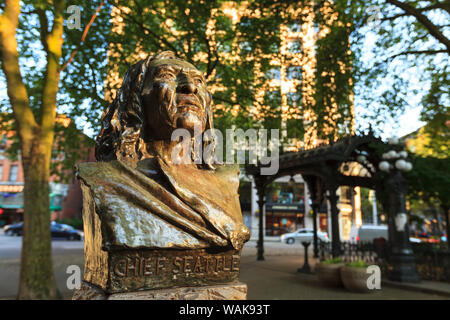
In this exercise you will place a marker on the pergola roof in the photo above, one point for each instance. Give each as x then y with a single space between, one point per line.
339 151
324 161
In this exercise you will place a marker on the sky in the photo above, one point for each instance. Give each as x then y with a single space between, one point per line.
409 120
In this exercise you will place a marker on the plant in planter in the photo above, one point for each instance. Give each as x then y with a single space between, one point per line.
328 272
354 276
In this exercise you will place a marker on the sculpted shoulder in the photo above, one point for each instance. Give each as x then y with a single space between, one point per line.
97 170
229 173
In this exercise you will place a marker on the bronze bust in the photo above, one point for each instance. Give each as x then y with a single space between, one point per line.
144 201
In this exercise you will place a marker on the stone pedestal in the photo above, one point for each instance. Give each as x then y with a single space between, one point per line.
231 291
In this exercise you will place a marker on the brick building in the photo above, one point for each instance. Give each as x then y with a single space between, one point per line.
65 198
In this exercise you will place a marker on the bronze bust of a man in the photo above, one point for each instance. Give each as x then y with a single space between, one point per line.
142 198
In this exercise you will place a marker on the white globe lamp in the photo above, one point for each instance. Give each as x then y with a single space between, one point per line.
400 164
384 166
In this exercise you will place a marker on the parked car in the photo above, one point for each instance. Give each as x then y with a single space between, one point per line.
14 229
58 230
276 231
304 234
414 240
367 233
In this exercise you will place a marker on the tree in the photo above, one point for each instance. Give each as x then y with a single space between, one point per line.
332 85
408 61
430 182
409 50
33 95
430 141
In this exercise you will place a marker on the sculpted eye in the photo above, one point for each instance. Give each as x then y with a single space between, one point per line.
198 81
167 75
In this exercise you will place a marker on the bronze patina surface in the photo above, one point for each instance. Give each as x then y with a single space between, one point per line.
135 270
229 291
150 221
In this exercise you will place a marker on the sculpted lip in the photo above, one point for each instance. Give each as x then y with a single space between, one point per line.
188 105
186 108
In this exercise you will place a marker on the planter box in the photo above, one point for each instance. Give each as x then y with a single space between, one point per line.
355 279
329 274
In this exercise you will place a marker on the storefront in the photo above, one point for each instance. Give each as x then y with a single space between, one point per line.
323 222
284 218
11 204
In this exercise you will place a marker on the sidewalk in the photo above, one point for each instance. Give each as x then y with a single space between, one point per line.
267 239
433 287
275 278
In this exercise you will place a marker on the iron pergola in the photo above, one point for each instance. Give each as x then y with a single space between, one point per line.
326 168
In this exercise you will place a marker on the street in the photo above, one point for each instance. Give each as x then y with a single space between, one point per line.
10 246
274 278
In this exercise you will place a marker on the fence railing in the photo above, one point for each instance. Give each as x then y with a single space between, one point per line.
432 260
349 252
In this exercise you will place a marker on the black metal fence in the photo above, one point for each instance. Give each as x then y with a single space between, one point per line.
349 252
432 260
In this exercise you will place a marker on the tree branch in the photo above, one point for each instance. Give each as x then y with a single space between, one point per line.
43 21
149 31
83 37
443 6
415 52
432 28
50 86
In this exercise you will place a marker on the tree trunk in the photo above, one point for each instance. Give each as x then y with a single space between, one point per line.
37 279
36 139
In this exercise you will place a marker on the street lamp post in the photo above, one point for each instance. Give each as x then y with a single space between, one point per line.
305 268
335 238
261 203
401 256
374 208
315 208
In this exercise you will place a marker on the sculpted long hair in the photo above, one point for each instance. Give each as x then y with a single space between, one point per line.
123 132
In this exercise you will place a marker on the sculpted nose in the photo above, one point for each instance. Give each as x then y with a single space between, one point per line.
187 88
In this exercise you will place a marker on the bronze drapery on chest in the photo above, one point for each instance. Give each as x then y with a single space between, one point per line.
180 207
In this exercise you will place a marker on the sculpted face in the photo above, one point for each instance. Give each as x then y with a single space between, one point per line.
174 96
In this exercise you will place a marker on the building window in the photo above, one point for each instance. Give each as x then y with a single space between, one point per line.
294 73
274 73
13 173
293 98
346 194
245 47
284 193
295 129
294 46
245 22
2 147
273 98
316 27
294 27
57 201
